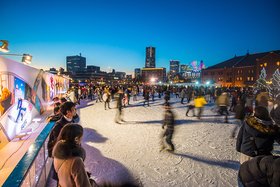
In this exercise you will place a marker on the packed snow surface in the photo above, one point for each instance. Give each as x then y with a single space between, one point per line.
204 154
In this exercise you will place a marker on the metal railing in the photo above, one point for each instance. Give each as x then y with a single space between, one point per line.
34 167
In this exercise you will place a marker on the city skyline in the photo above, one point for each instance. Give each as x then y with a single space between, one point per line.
115 34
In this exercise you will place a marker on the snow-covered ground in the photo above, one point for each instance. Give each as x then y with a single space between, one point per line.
204 154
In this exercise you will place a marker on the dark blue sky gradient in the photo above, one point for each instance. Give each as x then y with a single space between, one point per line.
115 33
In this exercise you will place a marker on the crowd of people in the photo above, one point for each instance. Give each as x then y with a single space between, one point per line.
257 116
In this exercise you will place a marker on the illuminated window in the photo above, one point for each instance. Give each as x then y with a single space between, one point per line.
261 65
265 64
252 78
248 71
277 63
252 71
248 78
240 71
237 78
240 78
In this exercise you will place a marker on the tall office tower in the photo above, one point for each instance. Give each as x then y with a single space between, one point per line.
184 67
150 61
164 72
174 67
137 72
75 63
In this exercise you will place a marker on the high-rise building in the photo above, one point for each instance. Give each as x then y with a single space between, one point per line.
150 61
75 63
174 67
137 73
184 67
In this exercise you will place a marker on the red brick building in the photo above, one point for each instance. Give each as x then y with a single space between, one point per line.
242 71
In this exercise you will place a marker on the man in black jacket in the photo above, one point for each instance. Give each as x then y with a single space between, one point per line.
68 111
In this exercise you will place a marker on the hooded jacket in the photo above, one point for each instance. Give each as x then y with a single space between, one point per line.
70 169
264 134
260 171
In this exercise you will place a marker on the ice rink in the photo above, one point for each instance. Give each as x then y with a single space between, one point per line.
204 154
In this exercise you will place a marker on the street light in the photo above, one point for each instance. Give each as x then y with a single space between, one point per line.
4 47
26 58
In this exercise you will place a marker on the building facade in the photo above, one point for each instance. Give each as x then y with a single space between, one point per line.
150 61
137 73
242 71
75 63
184 67
174 67
152 73
93 68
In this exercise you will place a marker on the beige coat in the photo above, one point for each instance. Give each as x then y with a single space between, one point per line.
70 170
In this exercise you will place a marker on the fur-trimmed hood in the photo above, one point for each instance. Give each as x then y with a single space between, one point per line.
62 151
260 127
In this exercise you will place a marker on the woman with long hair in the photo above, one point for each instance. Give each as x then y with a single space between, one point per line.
69 157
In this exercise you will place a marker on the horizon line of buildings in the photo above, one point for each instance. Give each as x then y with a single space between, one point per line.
237 71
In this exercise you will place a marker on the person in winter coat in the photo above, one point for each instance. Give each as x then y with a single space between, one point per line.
106 98
153 93
72 96
147 95
167 95
183 94
199 102
208 95
275 112
223 102
191 105
240 112
68 110
169 122
119 97
249 103
56 116
262 99
234 98
134 93
257 135
69 158
260 171
98 94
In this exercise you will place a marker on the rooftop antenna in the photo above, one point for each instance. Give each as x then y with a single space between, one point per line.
248 50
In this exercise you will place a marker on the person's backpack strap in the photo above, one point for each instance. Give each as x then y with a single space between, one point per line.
254 145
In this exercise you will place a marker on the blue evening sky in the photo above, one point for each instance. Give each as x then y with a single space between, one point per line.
115 33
